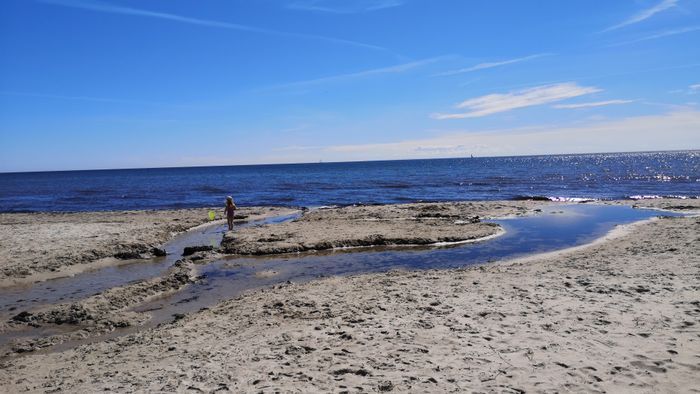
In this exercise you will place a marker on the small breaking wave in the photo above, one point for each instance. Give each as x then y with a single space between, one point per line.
573 199
655 197
530 198
589 199
554 198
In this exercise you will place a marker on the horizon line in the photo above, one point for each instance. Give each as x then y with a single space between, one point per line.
345 161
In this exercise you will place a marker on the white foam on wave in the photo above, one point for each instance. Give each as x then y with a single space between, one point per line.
654 197
645 197
312 208
572 199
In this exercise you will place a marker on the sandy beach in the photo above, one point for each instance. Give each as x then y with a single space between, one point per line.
349 196
617 315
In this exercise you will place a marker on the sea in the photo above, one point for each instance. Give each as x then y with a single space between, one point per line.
574 177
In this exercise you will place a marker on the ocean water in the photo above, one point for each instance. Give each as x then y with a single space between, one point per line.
568 177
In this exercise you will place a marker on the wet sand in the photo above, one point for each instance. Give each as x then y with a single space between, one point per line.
620 314
41 246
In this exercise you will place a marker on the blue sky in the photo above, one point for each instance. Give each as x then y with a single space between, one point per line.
119 83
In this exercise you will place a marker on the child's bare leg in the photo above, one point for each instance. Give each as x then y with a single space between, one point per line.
230 223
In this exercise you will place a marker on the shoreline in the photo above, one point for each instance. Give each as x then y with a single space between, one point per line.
518 324
513 210
637 199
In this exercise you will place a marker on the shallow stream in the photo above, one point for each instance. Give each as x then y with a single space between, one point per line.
552 229
66 289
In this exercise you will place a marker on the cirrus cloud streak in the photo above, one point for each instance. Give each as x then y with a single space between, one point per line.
644 14
662 34
343 6
592 105
483 66
98 6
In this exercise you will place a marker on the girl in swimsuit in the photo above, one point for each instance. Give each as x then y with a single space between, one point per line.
229 211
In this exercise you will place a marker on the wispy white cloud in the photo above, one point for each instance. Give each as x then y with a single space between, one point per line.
114 9
658 35
343 6
483 66
593 104
495 103
644 14
601 76
667 131
691 89
397 69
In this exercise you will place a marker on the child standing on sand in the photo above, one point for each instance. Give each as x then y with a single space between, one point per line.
229 211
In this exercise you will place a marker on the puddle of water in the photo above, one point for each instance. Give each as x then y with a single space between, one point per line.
551 230
22 297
